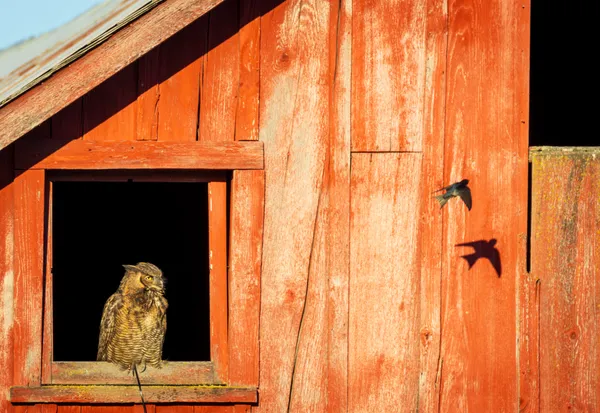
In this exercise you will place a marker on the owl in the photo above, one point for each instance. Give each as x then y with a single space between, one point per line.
134 321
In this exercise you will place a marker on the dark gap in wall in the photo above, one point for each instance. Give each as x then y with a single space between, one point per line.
562 105
529 216
98 227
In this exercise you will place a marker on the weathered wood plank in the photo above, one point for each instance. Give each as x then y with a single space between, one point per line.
131 394
7 273
383 353
294 98
72 82
69 409
566 257
178 409
29 199
217 260
68 123
430 227
221 75
246 121
388 74
337 247
308 391
148 96
246 234
110 109
48 408
179 88
483 143
106 373
82 154
48 306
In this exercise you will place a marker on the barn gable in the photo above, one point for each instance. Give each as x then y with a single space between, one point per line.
318 132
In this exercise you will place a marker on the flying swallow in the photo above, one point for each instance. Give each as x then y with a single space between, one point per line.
456 189
483 249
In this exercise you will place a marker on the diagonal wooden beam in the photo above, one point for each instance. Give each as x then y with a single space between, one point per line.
124 47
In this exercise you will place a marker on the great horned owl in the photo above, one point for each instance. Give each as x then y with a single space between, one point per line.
134 321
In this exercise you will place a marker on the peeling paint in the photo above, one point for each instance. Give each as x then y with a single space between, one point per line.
7 287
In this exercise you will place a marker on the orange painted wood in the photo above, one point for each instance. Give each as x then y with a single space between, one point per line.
48 312
430 224
74 81
217 259
148 96
68 123
221 75
309 374
529 287
7 273
337 248
294 96
177 409
529 342
246 121
48 408
110 109
245 262
483 143
179 88
173 372
82 154
383 353
19 409
130 394
69 409
566 257
388 73
29 200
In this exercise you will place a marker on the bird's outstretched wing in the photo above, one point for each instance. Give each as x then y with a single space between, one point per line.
465 195
476 245
443 189
495 260
471 259
107 325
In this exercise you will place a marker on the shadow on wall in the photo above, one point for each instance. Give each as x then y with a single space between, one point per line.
122 89
483 249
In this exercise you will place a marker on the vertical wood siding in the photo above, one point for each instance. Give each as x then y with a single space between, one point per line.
566 258
364 108
7 274
383 348
294 96
483 143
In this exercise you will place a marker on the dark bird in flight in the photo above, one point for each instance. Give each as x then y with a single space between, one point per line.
456 189
483 249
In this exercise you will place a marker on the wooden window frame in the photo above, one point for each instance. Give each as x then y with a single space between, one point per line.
234 284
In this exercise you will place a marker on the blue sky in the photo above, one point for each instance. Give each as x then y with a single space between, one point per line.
21 19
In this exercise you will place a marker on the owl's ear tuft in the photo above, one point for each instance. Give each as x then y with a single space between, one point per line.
131 268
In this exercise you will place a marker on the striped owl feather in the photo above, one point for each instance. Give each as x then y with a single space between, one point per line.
134 321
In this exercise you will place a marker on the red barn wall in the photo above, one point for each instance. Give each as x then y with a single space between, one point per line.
364 108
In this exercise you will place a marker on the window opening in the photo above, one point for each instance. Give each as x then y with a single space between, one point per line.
99 226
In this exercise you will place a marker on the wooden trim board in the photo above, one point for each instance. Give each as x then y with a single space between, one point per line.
91 155
131 394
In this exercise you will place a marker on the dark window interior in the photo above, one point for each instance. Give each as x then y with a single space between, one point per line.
98 227
564 78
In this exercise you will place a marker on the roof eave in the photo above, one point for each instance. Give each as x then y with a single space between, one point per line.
92 68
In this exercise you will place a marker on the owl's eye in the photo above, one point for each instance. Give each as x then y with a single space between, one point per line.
148 277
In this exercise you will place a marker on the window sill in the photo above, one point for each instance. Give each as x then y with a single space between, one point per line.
99 372
130 394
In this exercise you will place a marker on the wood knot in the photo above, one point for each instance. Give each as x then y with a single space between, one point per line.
426 336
